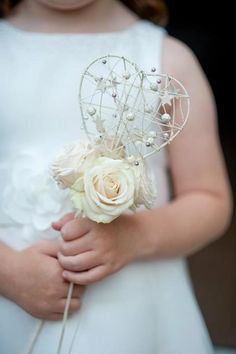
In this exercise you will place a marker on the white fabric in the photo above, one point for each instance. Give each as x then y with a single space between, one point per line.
147 307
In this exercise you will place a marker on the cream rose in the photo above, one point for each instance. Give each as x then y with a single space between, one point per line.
106 190
72 162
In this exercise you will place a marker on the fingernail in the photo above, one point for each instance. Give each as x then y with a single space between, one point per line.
55 225
65 274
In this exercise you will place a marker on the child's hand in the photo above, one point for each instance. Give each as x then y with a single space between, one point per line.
37 284
91 251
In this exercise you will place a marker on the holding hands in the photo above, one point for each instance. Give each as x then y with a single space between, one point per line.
91 251
35 282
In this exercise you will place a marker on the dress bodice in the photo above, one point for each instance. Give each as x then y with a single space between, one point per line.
39 109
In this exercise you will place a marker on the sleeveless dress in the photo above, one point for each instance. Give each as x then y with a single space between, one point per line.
145 308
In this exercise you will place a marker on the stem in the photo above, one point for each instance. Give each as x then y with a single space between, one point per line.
35 337
65 316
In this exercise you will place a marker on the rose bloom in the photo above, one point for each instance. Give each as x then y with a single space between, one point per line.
72 162
106 190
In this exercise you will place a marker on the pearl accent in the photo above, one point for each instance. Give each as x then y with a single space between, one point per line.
136 163
114 94
153 86
153 70
166 135
150 140
165 118
104 61
130 116
159 81
126 75
91 111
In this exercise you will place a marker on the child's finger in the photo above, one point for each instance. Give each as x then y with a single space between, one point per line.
74 247
88 277
75 228
81 262
57 225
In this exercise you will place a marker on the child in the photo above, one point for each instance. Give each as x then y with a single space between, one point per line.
147 305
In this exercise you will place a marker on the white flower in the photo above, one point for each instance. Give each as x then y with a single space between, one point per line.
72 162
106 190
31 198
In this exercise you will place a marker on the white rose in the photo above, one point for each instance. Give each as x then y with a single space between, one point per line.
72 162
106 190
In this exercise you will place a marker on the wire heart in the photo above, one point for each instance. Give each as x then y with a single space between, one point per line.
123 105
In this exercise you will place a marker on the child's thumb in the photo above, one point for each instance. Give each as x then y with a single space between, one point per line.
57 225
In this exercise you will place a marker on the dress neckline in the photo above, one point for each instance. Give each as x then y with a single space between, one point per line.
56 35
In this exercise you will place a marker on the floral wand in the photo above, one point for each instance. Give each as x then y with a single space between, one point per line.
128 115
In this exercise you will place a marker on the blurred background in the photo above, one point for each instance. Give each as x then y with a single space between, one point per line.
207 28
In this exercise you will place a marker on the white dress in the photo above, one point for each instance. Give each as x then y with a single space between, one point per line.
147 307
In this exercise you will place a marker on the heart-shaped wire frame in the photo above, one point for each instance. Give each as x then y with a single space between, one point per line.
124 106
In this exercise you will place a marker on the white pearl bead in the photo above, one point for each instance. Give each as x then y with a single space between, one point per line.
91 111
150 140
130 116
165 118
126 75
153 86
166 135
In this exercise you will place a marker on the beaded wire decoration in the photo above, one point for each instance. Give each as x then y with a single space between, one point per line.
142 111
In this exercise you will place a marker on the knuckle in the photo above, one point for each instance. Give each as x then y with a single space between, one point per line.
72 263
90 278
66 229
64 232
65 247
76 279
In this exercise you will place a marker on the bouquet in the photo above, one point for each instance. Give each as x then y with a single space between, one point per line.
127 115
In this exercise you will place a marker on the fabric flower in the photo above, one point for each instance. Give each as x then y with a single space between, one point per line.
31 198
